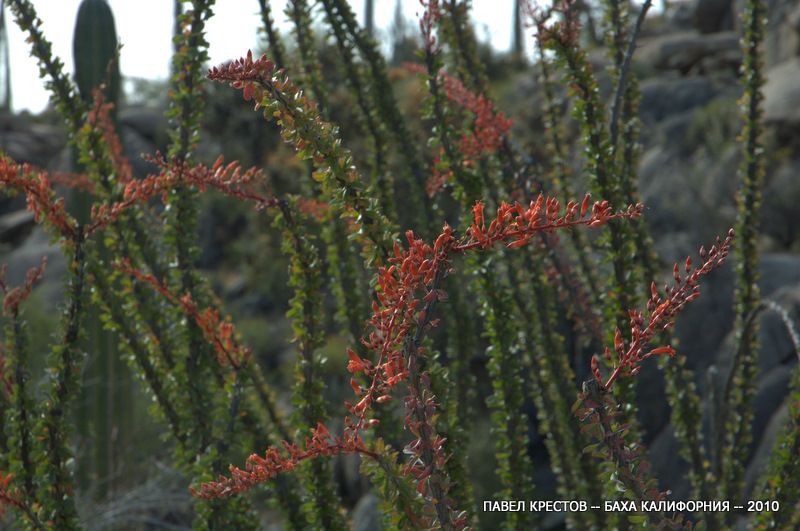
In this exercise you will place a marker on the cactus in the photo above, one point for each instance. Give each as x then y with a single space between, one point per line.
94 48
105 402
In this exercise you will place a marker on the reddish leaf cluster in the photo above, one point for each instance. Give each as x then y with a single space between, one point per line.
395 313
489 127
243 72
438 176
260 469
218 332
516 224
430 16
73 180
7 495
661 314
566 29
229 179
100 118
486 133
315 208
426 453
13 297
407 289
40 196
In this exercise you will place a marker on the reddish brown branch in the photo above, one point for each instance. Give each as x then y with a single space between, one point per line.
662 314
219 332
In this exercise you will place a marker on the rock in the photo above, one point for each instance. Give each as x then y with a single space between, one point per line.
782 39
670 469
774 335
782 195
347 475
668 96
775 363
650 391
718 188
670 187
684 178
700 330
778 270
782 94
24 140
148 122
366 514
705 325
690 51
10 204
134 145
673 127
710 16
706 322
675 244
16 226
679 16
663 197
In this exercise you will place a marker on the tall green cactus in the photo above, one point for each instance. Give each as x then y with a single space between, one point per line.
106 401
94 48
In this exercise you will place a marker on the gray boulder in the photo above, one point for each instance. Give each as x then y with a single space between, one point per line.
782 194
704 327
679 189
668 96
24 140
670 469
15 226
711 16
782 94
782 39
777 346
134 145
148 122
689 51
367 514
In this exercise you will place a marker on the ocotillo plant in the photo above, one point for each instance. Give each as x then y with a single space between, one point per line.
463 278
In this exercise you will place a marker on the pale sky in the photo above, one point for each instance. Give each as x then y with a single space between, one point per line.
145 26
